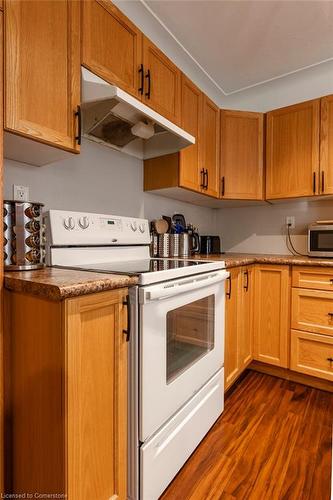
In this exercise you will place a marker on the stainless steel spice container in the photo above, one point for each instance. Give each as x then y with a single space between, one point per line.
24 238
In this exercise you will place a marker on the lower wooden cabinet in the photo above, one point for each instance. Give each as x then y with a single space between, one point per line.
271 314
66 395
312 354
239 323
312 311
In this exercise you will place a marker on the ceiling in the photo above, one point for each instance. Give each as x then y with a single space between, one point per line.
244 43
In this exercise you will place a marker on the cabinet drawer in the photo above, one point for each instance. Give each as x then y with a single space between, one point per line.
311 354
318 278
312 311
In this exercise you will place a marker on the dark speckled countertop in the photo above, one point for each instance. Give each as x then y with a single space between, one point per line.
59 284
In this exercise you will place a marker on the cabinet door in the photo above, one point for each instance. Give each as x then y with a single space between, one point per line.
293 151
111 45
271 314
162 87
42 66
242 155
246 317
210 146
96 397
191 112
326 146
231 350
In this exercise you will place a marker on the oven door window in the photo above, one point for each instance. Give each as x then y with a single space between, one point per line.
190 335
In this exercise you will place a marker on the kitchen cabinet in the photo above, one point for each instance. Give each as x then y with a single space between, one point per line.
238 323
190 172
312 354
312 311
162 82
210 147
1 6
292 146
271 314
241 146
66 397
326 145
1 260
318 278
196 167
42 68
111 45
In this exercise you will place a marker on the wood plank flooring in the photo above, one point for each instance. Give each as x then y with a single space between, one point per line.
273 441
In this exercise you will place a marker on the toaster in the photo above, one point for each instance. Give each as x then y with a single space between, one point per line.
210 244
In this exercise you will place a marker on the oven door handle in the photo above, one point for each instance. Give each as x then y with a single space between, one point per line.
164 291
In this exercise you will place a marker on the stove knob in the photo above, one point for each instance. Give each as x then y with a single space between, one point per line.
69 223
84 222
142 228
134 227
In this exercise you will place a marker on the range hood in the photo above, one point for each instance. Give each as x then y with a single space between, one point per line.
115 119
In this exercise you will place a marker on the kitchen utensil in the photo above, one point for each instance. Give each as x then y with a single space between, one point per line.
169 221
23 235
161 226
179 219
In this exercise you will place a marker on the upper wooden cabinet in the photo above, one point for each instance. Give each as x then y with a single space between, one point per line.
326 146
70 369
210 147
42 68
111 45
162 82
293 151
271 314
241 148
191 116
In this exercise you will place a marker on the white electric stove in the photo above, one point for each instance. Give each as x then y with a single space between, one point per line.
176 374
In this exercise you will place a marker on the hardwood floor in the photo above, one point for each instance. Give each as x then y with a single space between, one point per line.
274 441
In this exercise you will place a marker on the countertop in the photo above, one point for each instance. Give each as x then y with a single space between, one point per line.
244 259
58 284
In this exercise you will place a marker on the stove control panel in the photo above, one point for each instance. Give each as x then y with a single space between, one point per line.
77 229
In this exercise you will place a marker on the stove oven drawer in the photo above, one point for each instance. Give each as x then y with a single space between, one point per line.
165 453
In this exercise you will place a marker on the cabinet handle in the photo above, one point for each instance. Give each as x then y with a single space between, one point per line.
79 124
141 73
228 293
222 186
206 177
127 331
330 360
314 183
322 181
202 178
147 94
330 314
331 281
246 285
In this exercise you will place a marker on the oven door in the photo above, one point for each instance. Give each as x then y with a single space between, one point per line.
181 344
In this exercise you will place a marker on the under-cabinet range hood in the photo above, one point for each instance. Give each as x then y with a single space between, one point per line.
114 118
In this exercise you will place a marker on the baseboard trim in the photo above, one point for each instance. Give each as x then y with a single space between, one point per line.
287 374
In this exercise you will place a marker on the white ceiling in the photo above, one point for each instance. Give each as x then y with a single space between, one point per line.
244 43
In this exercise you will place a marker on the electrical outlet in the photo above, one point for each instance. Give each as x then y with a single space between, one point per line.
20 193
290 221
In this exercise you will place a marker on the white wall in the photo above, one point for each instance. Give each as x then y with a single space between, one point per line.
261 229
103 181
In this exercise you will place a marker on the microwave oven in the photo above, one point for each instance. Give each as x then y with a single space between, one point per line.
320 240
